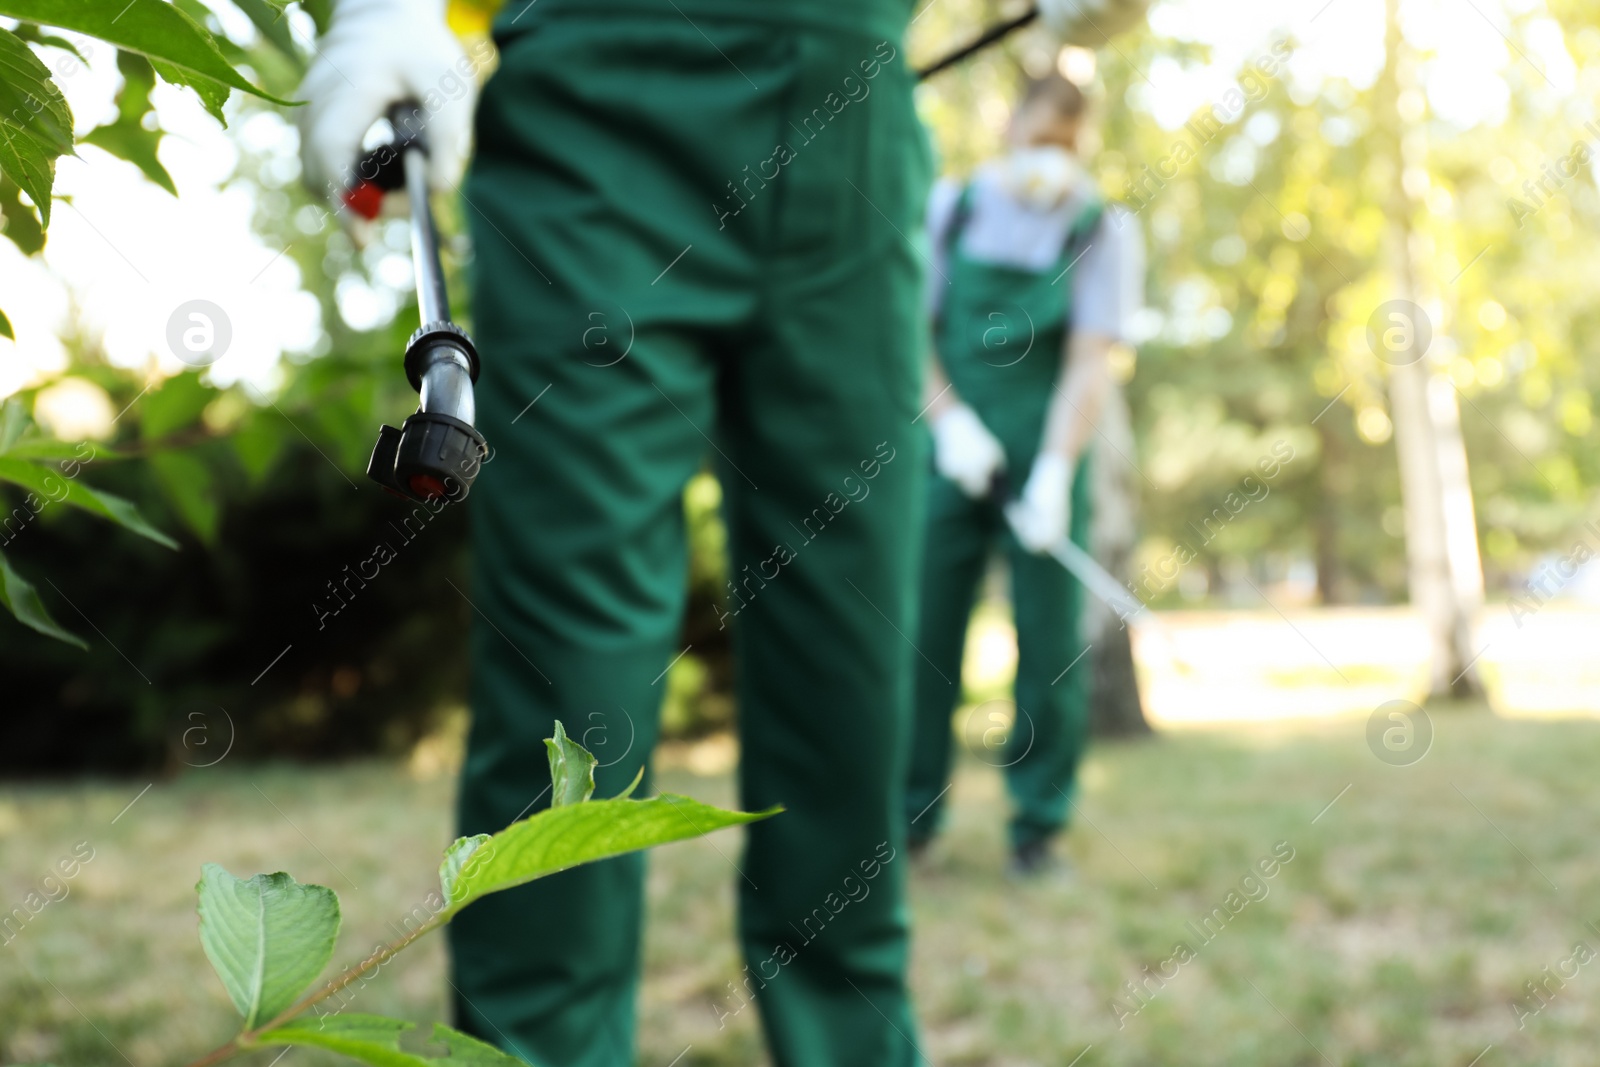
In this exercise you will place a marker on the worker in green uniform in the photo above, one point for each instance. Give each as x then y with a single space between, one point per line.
1037 279
688 225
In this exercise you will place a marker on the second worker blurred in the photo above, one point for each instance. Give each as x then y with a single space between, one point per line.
1035 281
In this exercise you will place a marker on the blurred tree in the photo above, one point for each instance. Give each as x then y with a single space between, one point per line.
1271 215
282 628
36 129
1444 572
1267 260
277 521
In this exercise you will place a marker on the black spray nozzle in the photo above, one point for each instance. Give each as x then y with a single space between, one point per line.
430 457
436 453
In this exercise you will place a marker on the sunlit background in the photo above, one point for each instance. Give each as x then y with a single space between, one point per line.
1268 254
1436 150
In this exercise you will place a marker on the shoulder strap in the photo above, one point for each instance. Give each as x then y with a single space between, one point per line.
959 214
1082 228
1075 246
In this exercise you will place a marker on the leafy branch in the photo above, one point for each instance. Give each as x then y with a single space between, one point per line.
268 937
47 471
153 38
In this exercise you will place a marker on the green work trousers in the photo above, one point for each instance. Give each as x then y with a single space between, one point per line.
688 242
1040 749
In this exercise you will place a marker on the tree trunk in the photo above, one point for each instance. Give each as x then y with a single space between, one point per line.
1114 706
1334 483
1444 570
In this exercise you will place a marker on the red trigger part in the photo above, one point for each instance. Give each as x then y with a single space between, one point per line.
427 487
365 199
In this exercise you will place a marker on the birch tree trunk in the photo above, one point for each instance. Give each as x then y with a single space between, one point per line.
1444 569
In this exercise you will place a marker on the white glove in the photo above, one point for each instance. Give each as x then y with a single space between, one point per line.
964 450
1039 517
1090 23
377 53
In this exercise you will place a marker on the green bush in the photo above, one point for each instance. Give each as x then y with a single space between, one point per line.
183 657
180 642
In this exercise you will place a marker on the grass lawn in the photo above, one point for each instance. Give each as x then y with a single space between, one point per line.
1402 931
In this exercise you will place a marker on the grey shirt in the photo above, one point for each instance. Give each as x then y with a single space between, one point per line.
1107 279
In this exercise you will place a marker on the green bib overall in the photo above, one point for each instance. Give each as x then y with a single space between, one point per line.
687 224
999 337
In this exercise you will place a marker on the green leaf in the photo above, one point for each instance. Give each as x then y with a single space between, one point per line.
321 12
138 78
38 447
127 137
32 166
20 222
153 28
13 421
270 21
211 94
628 792
71 491
132 142
205 17
571 769
17 442
176 405
258 444
29 98
456 857
32 35
268 937
188 483
5 327
376 1040
563 837
20 598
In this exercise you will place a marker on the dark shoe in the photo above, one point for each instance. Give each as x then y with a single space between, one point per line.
1035 861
